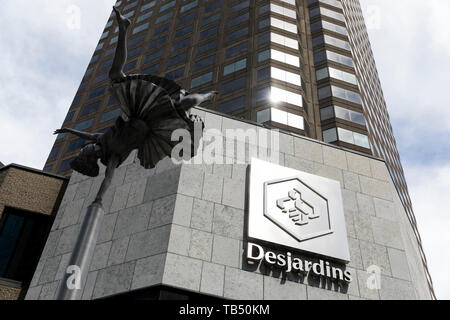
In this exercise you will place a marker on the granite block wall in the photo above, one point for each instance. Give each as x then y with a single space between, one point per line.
185 226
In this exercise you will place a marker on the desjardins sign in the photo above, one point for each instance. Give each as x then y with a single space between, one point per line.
300 211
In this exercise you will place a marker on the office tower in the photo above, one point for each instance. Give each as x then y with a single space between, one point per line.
302 66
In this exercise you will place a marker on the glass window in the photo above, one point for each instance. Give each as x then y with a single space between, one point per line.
178 73
329 135
110 115
185 30
205 62
232 105
201 80
235 66
237 49
76 144
211 18
181 44
237 34
209 32
189 6
211 45
233 85
177 59
90 108
54 152
84 125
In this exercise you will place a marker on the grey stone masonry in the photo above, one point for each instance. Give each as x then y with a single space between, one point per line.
184 226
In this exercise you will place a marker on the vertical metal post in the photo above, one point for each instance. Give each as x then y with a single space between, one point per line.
72 284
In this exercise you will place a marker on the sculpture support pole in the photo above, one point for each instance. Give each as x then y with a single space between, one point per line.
72 284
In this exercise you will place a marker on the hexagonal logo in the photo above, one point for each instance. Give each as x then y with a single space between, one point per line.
296 209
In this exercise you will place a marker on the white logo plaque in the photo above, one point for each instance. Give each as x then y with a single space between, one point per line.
297 209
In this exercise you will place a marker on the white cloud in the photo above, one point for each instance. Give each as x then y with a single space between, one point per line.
43 61
429 187
412 52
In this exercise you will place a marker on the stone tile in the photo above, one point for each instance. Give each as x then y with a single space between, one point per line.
137 191
72 213
243 285
228 222
350 224
212 188
183 210
281 289
89 286
379 170
324 294
212 279
162 185
385 209
37 273
114 280
226 251
51 244
83 189
50 269
363 227
120 197
58 218
387 233
148 243
395 289
299 164
329 172
48 291
335 158
118 252
149 271
351 181
213 121
286 144
162 211
222 170
69 195
62 266
349 198
399 264
182 272
308 150
239 172
100 257
358 164
33 293
201 245
375 188
119 176
180 240
374 254
191 181
366 291
132 220
365 204
355 254
136 172
107 228
234 193
202 215
165 164
67 240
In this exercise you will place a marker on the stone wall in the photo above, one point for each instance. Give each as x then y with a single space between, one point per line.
185 226
9 293
29 190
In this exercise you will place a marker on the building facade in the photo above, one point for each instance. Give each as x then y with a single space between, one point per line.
182 231
29 200
303 66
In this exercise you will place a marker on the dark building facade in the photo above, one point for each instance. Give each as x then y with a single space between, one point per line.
29 200
303 66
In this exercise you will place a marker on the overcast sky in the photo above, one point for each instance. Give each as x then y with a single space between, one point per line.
45 50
